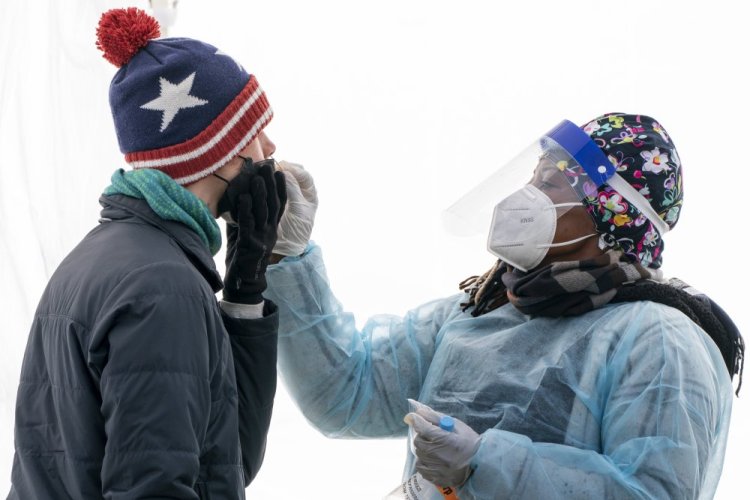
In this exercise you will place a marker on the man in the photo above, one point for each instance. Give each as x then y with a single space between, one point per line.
136 383
572 368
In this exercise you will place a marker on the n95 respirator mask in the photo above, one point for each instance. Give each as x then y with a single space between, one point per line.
523 228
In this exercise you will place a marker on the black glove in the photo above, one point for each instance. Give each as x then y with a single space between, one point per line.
255 199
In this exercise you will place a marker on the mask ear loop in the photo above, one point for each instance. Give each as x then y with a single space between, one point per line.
569 242
568 204
222 178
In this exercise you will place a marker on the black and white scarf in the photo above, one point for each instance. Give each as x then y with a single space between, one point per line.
575 287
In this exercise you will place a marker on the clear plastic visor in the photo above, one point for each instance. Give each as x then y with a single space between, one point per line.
544 164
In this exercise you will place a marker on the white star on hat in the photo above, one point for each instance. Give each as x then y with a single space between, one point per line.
173 98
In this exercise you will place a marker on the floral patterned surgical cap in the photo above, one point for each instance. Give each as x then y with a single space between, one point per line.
646 158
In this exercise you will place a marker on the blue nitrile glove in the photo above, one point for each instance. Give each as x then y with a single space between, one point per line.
442 457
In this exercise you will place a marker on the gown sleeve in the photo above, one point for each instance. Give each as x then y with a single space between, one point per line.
349 382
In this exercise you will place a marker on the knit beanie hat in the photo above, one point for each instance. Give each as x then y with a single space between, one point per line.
179 105
644 155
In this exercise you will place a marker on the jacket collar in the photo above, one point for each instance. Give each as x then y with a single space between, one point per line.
120 207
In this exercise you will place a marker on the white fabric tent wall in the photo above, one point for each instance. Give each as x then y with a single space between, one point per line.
397 108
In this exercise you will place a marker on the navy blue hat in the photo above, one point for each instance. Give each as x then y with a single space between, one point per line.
179 105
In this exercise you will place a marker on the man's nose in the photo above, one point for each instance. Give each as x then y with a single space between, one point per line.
267 145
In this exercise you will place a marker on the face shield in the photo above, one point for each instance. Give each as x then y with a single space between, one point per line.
521 202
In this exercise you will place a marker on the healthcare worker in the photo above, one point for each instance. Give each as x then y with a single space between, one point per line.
572 368
136 381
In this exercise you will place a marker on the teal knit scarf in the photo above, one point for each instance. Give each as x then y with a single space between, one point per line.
169 200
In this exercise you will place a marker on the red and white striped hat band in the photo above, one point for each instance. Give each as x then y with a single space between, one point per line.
236 127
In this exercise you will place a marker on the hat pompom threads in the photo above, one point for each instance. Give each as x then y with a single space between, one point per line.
123 32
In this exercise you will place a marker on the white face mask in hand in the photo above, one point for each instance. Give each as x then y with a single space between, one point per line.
523 228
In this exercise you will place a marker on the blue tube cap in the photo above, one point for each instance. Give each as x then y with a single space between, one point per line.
447 423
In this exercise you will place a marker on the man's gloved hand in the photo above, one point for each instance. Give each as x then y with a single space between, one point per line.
442 457
297 223
258 197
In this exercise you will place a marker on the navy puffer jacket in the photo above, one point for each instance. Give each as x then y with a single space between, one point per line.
134 383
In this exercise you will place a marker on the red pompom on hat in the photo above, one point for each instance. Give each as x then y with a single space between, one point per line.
123 32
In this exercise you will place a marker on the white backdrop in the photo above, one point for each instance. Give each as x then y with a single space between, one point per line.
397 108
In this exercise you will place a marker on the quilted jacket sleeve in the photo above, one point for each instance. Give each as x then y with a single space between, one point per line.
254 346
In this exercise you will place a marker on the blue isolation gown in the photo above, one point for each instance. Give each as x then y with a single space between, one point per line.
631 400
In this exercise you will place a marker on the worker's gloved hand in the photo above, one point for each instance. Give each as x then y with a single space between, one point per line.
442 457
255 200
302 202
